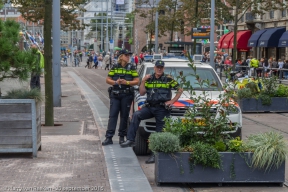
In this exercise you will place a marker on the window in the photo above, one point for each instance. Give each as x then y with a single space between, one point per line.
284 13
271 13
242 18
204 74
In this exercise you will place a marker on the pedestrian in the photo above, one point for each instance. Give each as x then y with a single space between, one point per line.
136 60
95 59
100 61
285 67
106 61
122 77
90 61
280 66
87 61
158 88
141 57
80 55
36 72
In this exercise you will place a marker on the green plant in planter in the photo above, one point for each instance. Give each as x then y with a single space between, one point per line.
281 91
270 150
24 94
235 145
164 142
205 155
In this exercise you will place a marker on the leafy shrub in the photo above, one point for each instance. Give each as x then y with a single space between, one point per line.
281 91
164 142
24 94
244 93
235 145
220 146
270 150
205 155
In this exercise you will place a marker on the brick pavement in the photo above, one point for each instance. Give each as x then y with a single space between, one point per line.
65 160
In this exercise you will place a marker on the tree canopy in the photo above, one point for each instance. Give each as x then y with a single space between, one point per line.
33 10
14 63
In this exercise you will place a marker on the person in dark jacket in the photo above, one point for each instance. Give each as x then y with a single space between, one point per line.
122 77
159 98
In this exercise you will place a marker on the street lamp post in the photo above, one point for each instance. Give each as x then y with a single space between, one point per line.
212 28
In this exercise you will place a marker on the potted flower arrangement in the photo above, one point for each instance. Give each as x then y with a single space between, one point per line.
199 149
20 117
263 95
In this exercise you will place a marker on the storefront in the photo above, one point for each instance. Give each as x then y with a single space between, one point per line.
266 40
227 42
283 43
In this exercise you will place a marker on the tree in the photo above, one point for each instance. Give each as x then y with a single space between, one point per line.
34 10
14 63
256 8
182 15
49 110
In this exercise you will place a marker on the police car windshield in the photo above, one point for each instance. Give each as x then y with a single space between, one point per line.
204 74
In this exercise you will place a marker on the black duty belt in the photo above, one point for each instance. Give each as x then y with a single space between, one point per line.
156 105
120 91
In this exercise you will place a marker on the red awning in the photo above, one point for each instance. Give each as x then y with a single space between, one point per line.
219 46
242 40
226 41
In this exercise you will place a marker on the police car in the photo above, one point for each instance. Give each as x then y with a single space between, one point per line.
173 67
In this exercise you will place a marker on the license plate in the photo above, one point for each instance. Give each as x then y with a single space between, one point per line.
197 121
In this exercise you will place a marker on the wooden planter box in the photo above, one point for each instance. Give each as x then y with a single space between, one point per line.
279 104
20 126
176 169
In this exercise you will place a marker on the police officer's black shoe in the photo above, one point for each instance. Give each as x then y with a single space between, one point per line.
151 159
121 140
107 141
128 143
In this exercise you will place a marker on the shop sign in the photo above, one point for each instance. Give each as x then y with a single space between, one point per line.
200 33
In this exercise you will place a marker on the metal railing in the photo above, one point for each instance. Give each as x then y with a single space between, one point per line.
223 70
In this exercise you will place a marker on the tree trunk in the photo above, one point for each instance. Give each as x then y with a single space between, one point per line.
49 111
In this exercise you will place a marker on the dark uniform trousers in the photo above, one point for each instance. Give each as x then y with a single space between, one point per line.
119 103
35 81
146 113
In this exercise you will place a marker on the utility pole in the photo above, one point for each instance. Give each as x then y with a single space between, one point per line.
212 28
55 55
111 32
156 27
101 26
234 57
107 42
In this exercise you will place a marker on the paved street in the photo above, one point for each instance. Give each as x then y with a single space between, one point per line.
72 155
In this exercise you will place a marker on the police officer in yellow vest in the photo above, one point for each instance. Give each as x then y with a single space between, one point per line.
158 88
122 77
35 75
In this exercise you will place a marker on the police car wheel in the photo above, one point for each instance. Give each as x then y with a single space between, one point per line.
141 145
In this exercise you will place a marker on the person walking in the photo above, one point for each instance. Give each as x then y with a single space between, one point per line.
90 61
136 60
106 61
80 55
35 75
158 88
95 59
122 77
100 61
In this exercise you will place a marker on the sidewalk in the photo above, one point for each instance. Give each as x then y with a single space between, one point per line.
71 158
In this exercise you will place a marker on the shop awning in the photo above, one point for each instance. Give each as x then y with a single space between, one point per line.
253 41
219 46
226 41
283 41
242 39
270 38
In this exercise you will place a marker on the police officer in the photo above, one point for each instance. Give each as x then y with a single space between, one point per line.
122 77
158 88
